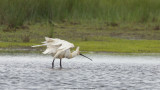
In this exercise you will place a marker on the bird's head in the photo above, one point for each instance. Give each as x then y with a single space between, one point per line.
77 50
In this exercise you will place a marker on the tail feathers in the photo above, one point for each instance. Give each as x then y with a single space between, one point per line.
39 45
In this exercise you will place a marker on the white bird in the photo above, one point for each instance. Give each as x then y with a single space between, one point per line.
59 49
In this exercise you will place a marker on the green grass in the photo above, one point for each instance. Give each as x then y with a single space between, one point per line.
95 25
111 45
122 46
15 45
134 38
80 32
17 12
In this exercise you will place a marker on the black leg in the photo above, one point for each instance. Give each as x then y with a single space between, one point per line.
60 63
53 63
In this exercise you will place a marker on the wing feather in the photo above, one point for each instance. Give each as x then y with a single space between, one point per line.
54 45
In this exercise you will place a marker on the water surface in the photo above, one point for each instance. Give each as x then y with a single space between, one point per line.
105 72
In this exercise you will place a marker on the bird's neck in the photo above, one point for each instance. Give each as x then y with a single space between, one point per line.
73 54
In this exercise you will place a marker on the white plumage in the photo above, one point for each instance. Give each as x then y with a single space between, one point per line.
54 45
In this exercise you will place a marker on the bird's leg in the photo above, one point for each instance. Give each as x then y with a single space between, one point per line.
57 54
60 63
53 63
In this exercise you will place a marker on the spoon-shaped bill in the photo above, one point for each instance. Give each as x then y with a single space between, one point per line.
85 56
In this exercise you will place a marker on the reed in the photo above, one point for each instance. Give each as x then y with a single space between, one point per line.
16 12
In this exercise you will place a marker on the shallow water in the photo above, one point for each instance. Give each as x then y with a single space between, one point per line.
105 72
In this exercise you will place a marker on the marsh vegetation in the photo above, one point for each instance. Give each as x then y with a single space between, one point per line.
17 12
122 24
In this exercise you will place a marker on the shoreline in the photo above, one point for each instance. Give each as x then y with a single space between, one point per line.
119 46
39 52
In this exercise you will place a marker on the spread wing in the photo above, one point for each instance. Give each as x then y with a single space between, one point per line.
54 45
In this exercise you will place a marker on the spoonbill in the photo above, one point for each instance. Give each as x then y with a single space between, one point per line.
59 49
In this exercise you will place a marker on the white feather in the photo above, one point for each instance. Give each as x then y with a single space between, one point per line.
54 45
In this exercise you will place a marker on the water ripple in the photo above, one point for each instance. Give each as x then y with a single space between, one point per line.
35 73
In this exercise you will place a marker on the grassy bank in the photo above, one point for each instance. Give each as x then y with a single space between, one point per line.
95 25
17 12
111 45
122 46
126 38
73 31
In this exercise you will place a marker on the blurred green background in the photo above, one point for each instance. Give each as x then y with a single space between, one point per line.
115 23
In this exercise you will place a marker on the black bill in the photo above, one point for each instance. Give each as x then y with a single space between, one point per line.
85 56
